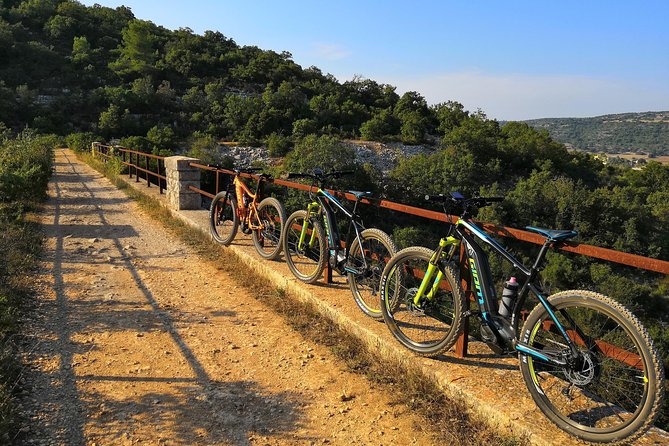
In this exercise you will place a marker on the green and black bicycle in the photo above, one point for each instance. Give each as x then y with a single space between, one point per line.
587 361
311 238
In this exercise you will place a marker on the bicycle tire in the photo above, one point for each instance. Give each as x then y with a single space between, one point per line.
220 231
396 280
311 259
365 287
599 391
270 232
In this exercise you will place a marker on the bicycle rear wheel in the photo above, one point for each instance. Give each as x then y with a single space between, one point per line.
306 263
369 262
613 389
272 217
433 328
223 218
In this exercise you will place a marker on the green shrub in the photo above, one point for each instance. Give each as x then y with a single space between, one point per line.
278 145
81 142
138 143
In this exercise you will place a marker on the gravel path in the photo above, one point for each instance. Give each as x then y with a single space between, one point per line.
136 340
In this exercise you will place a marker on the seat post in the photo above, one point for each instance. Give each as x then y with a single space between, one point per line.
355 206
542 254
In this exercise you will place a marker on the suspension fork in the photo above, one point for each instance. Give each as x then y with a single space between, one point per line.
434 275
313 208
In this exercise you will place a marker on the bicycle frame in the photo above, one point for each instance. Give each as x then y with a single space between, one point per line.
481 278
242 210
324 206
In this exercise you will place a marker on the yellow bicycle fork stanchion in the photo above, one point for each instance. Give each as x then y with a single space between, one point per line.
312 208
430 282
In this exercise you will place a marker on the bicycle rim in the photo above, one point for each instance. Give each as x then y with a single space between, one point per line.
607 394
268 239
307 263
428 330
223 219
368 263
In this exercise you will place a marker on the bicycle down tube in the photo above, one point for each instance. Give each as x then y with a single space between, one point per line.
483 285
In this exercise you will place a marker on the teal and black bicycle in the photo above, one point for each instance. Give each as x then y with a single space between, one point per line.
311 238
587 361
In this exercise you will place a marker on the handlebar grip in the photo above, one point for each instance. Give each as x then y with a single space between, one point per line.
249 170
438 198
345 172
292 175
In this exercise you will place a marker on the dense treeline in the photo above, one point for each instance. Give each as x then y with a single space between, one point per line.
67 67
646 132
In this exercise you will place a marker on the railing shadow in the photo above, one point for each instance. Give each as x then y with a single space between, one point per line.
228 412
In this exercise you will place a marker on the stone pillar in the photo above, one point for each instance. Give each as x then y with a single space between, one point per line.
180 175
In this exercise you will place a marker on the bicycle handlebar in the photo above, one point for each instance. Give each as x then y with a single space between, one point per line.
319 175
237 170
460 203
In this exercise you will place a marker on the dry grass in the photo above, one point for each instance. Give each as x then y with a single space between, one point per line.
447 419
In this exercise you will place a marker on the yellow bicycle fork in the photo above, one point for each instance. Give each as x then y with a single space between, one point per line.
433 275
313 208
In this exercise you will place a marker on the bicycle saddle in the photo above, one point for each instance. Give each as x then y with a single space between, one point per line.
553 234
359 194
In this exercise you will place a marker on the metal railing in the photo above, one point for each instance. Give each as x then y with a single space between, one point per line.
637 261
131 159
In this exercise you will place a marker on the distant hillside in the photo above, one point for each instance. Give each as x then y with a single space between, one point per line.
626 132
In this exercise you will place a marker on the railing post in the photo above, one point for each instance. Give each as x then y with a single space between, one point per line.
160 180
327 272
148 177
463 340
180 175
136 164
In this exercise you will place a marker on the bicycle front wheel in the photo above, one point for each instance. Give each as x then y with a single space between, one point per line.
271 217
368 263
612 390
223 218
306 262
434 327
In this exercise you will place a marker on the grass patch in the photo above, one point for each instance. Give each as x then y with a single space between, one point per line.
447 419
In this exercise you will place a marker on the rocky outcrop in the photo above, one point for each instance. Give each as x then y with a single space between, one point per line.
380 155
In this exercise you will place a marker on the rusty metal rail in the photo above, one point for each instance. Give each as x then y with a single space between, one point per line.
637 261
126 158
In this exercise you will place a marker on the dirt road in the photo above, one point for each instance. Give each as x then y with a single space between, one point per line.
136 340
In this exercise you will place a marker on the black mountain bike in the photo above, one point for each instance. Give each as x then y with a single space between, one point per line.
311 238
587 361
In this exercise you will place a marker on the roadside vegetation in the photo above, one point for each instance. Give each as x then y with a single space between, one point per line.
25 168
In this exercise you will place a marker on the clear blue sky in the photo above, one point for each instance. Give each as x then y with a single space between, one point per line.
512 59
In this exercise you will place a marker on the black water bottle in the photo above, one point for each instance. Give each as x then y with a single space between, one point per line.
509 295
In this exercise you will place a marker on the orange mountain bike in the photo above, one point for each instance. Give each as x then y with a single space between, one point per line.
232 208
